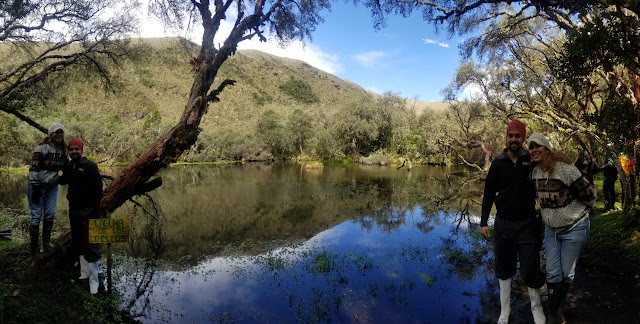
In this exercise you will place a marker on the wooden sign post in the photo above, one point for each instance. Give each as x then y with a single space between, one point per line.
108 230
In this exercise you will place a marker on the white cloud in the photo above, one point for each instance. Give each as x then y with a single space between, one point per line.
471 92
431 41
369 59
313 55
374 89
309 53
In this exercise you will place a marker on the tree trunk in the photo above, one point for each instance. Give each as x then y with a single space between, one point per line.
488 154
133 180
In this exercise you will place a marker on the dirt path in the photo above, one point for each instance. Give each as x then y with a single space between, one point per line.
596 297
604 296
606 288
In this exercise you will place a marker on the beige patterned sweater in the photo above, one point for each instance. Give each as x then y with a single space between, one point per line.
565 198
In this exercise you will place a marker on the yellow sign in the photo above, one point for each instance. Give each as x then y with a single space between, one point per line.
108 230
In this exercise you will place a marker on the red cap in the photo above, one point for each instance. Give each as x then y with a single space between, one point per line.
519 126
76 142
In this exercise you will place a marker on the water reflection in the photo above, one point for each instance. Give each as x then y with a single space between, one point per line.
213 210
281 243
341 274
270 243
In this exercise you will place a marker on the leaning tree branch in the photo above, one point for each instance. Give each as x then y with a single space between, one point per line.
148 186
24 118
41 58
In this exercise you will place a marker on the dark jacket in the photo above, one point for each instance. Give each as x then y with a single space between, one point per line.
508 186
609 169
587 169
85 184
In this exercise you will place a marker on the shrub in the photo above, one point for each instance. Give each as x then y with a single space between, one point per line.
300 91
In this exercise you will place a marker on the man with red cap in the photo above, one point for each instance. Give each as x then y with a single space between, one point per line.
84 194
517 233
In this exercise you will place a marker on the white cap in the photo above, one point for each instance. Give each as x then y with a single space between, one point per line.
56 126
540 139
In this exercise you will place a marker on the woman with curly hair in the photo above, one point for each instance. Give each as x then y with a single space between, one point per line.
565 197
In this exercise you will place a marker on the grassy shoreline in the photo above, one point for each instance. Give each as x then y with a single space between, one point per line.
393 162
614 241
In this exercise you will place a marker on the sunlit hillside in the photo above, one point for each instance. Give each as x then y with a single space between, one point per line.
147 93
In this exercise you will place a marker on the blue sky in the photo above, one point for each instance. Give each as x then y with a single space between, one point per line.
406 56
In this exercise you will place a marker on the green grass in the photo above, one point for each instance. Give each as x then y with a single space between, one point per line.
614 240
6 244
598 184
427 279
47 294
336 162
206 163
44 294
14 170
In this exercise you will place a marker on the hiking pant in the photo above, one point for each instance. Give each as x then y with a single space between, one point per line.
518 239
79 221
47 205
609 191
632 183
562 251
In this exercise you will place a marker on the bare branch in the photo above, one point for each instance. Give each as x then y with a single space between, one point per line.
213 95
473 165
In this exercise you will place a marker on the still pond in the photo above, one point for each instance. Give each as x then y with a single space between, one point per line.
281 243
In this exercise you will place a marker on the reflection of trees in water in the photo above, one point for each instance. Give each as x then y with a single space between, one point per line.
193 174
13 189
146 225
395 199
489 298
465 250
458 194
260 203
146 244
139 302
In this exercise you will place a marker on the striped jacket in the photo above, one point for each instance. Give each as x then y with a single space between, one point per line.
46 161
565 198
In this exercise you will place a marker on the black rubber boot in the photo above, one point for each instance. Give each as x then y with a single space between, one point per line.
34 232
557 297
46 235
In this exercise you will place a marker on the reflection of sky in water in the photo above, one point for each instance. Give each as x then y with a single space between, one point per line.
347 273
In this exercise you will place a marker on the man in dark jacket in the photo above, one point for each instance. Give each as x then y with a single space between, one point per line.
517 234
84 194
587 166
610 173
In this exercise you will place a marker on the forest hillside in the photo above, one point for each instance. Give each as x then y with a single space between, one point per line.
278 107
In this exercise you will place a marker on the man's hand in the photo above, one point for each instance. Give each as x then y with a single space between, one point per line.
484 230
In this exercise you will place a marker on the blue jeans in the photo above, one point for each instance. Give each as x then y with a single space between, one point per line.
562 251
48 203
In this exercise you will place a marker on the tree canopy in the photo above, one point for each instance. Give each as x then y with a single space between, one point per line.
285 19
568 65
46 37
